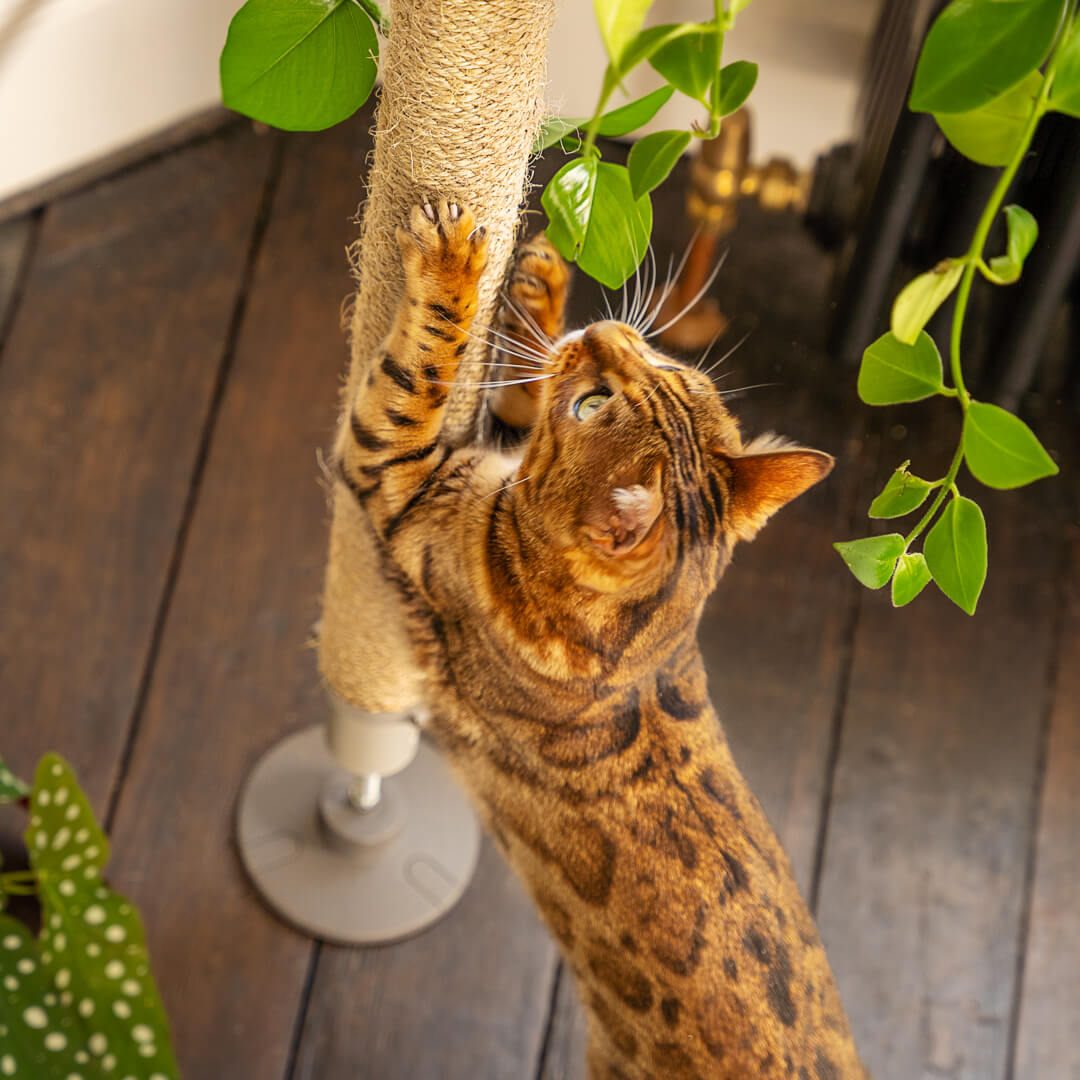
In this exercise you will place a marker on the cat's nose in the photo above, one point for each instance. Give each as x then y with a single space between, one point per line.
608 337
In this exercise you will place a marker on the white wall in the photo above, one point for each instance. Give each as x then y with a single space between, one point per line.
810 54
80 79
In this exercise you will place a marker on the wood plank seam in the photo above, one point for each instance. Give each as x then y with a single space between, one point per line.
9 305
873 427
1050 683
549 1020
302 1006
258 232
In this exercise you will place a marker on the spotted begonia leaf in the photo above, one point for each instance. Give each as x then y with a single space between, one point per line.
39 1037
94 988
11 787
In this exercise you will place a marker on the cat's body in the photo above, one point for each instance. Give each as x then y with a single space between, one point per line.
553 599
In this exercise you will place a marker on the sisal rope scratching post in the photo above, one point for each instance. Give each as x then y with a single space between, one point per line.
462 99
331 847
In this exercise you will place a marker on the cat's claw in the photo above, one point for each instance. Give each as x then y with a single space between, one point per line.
443 238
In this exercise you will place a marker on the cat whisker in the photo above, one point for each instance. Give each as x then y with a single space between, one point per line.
506 487
737 390
693 300
493 384
543 339
513 346
672 280
716 363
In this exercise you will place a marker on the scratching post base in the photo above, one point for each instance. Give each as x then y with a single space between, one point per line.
350 858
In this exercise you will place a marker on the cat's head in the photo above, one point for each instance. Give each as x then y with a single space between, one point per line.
634 462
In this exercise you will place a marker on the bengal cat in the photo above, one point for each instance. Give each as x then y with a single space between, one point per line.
553 597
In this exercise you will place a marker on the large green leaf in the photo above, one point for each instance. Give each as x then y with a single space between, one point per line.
689 63
1001 450
991 133
901 494
653 157
83 1002
872 558
892 372
1023 231
737 80
1065 92
921 297
11 787
619 21
596 221
300 65
955 551
978 49
911 577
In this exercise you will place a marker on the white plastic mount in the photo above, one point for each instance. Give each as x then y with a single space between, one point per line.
355 832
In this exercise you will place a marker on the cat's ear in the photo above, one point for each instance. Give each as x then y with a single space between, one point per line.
763 481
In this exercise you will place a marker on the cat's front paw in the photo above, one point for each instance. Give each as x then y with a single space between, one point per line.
443 241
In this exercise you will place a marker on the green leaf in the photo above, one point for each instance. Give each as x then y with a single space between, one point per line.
872 559
735 6
689 63
737 79
1023 232
596 221
11 787
653 157
646 43
555 129
619 21
1065 91
911 577
629 117
901 494
893 372
567 200
1001 450
617 122
921 297
978 49
955 551
990 134
86 992
299 65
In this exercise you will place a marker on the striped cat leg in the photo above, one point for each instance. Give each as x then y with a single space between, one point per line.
532 320
398 410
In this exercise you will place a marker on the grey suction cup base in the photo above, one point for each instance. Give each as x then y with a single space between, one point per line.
349 876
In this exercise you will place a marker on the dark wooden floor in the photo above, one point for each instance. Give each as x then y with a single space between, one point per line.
169 366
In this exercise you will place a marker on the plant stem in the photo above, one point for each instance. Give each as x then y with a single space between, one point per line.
588 144
973 259
946 487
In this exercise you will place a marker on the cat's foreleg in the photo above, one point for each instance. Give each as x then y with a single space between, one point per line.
398 411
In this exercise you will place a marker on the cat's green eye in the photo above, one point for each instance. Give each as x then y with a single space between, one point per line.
585 406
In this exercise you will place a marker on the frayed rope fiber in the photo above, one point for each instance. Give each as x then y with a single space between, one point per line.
461 102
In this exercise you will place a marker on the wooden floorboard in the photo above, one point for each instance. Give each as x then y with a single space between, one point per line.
105 383
466 1000
235 672
1046 1045
924 877
120 548
15 240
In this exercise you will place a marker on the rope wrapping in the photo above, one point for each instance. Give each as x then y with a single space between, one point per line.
461 101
